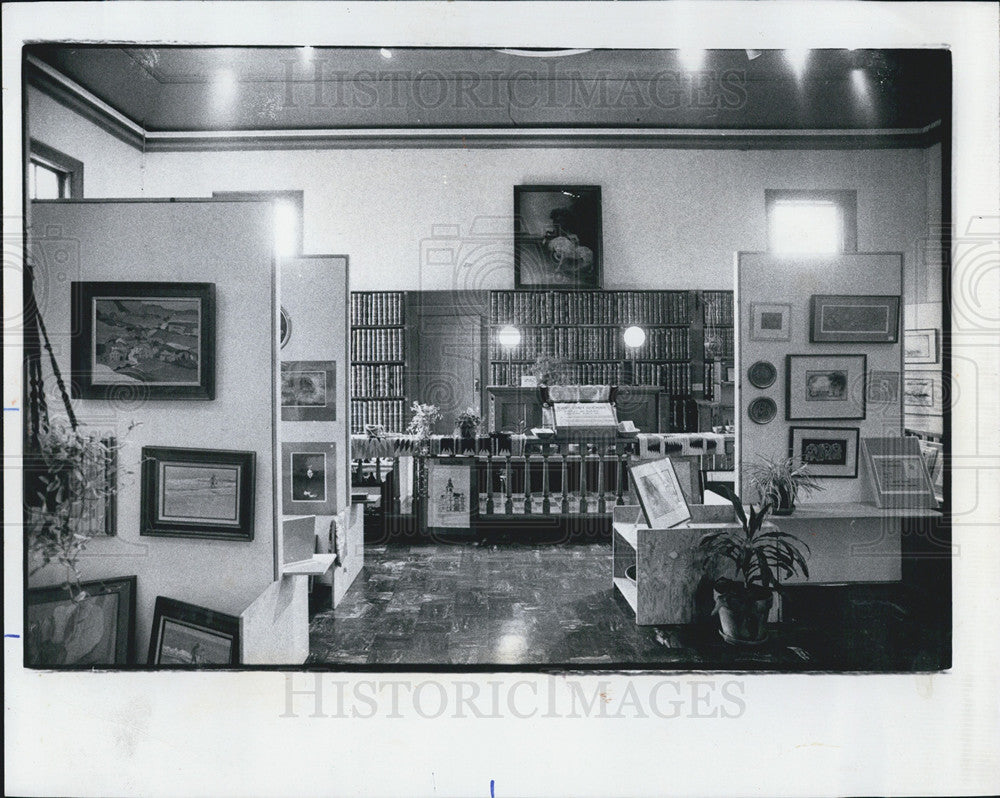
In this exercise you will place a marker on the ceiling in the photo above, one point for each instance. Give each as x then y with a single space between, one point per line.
200 89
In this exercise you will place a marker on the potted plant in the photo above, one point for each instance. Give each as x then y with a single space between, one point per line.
422 424
468 422
779 483
760 557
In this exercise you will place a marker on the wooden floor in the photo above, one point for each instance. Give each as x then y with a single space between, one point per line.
508 604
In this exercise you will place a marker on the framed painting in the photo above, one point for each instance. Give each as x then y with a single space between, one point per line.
841 319
152 340
770 321
452 497
897 474
308 390
660 494
96 628
922 393
922 346
828 451
197 493
825 386
185 635
882 388
309 478
557 237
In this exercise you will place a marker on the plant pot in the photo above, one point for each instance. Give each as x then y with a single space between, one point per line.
786 503
742 611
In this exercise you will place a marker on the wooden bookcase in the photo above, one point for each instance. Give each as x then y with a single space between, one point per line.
585 328
378 360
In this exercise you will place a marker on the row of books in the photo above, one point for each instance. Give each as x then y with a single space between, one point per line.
575 374
719 345
590 307
368 345
663 344
376 380
683 415
595 343
674 378
380 308
390 413
718 308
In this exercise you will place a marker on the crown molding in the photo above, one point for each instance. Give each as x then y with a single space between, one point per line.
66 91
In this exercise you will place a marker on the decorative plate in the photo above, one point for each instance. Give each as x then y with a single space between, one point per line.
762 374
762 410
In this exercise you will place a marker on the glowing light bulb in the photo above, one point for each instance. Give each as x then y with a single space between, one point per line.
634 337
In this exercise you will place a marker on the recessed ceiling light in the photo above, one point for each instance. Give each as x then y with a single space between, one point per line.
797 58
307 53
691 57
386 52
225 84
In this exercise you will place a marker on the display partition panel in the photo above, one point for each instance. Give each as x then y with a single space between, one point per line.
806 390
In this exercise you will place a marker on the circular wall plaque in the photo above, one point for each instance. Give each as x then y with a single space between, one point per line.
762 410
286 327
762 374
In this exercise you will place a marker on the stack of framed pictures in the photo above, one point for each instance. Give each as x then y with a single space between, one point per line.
897 473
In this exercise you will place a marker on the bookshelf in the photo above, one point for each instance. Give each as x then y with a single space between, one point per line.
718 342
378 360
584 328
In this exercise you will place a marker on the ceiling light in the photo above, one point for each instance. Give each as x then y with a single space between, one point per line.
859 81
386 52
691 57
634 337
225 84
752 54
509 336
797 59
542 52
307 53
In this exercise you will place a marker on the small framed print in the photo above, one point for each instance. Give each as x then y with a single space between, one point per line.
308 390
825 386
660 494
452 498
828 451
839 319
770 321
197 493
922 346
922 393
883 388
152 340
309 478
185 635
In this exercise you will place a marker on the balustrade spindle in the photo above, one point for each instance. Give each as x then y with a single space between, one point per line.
602 506
527 484
564 505
508 506
583 482
620 473
546 505
489 483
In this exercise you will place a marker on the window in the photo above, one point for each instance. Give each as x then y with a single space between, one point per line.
811 222
287 217
53 174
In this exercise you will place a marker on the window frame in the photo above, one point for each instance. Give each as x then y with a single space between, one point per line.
295 196
58 161
844 199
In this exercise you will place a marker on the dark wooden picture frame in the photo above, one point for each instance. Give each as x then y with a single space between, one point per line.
158 338
182 633
176 482
309 478
309 390
833 388
816 447
112 600
846 319
558 237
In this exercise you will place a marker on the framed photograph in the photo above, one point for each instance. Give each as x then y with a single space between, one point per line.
309 478
770 321
156 340
185 635
841 319
557 237
308 390
922 346
883 388
825 386
198 493
660 494
828 451
95 629
896 473
452 498
922 393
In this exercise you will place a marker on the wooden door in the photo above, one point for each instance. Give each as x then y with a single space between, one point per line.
448 363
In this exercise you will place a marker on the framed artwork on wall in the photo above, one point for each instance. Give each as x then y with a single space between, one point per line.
309 478
185 635
557 237
770 321
828 451
94 627
308 390
841 318
825 386
452 498
198 493
882 388
143 340
660 494
923 393
922 346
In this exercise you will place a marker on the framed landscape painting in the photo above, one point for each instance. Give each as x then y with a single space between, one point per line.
185 635
152 340
557 237
199 493
94 628
308 390
825 386
840 318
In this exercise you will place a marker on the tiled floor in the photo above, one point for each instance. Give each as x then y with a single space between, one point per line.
519 604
